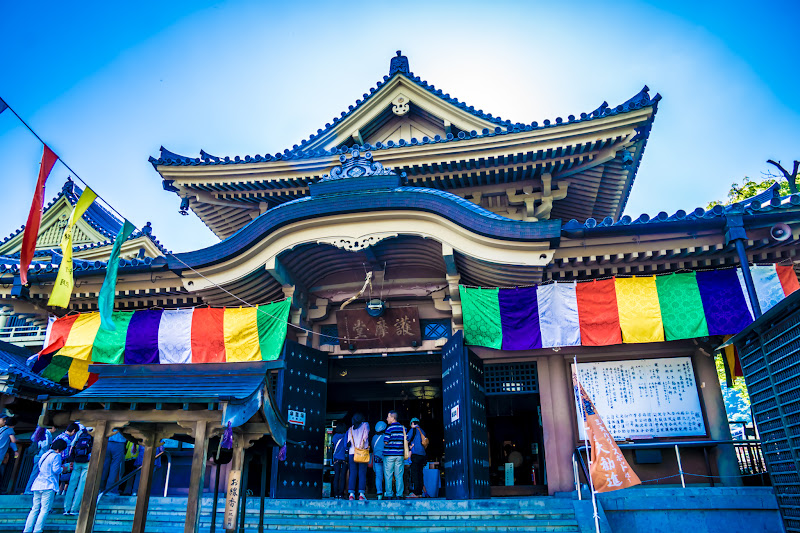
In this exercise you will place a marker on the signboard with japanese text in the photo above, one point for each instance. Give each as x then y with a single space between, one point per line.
297 418
396 327
645 398
232 499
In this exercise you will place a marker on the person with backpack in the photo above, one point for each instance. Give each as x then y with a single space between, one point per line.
78 454
417 442
45 486
377 457
339 445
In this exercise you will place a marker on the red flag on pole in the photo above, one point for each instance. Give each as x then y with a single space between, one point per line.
35 216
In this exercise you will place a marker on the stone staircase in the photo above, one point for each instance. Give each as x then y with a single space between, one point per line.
166 515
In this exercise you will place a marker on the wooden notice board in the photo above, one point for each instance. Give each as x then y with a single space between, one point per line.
396 327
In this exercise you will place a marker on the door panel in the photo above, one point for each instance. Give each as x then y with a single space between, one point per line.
302 392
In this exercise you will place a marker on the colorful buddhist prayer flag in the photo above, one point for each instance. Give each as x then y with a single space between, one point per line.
62 288
731 362
612 311
639 312
598 313
35 215
155 336
608 467
107 291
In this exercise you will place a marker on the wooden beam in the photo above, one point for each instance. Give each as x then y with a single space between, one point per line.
123 417
193 504
145 484
89 502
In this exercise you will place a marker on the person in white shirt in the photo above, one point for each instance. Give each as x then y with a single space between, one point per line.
45 487
43 438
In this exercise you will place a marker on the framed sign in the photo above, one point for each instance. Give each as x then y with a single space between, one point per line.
644 398
396 327
232 499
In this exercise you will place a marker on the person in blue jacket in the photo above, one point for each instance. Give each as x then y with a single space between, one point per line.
339 445
418 458
377 457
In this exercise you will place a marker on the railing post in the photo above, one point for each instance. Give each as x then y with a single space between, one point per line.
577 478
680 466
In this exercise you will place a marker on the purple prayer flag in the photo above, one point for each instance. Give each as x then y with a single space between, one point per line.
519 318
141 343
723 302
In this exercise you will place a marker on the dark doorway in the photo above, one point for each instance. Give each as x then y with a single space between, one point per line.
515 436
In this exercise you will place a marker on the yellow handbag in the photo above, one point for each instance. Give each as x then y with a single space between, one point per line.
406 452
360 455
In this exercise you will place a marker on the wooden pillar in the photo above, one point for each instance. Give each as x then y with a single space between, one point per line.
93 475
558 420
237 463
198 477
145 484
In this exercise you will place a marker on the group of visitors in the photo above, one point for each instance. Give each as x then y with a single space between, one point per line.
390 450
59 460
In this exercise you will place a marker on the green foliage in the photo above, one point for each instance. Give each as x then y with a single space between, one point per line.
737 399
748 189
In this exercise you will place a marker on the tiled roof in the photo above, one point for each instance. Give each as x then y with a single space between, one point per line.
10 264
765 202
99 218
504 127
13 362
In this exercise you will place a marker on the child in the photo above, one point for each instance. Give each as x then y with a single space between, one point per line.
45 487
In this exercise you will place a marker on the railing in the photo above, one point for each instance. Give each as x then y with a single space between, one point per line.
136 470
23 334
749 457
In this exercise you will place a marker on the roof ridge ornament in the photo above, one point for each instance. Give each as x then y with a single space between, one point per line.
399 64
357 166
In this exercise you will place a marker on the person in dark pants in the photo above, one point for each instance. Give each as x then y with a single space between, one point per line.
112 467
358 437
418 458
339 445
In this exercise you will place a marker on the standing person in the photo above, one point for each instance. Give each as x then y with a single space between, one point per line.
132 452
78 454
67 436
358 437
377 457
112 466
43 438
8 439
416 437
45 487
339 444
393 450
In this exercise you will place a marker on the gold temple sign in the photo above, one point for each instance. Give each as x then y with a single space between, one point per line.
396 327
232 499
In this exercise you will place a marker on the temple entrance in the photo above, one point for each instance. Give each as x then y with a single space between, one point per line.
410 384
514 420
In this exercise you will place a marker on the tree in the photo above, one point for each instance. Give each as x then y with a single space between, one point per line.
750 188
791 179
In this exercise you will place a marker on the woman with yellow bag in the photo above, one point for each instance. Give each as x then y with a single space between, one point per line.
358 442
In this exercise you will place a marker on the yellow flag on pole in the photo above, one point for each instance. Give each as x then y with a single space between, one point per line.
62 289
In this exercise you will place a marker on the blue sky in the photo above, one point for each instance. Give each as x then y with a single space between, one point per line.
107 83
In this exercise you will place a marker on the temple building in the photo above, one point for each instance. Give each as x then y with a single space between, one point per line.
377 227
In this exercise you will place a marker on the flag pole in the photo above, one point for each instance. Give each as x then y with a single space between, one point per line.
582 416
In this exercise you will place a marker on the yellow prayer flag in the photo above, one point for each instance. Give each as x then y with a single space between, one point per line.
241 334
62 289
81 337
78 374
639 311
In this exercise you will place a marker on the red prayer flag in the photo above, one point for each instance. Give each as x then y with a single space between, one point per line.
35 216
598 313
788 279
208 335
609 468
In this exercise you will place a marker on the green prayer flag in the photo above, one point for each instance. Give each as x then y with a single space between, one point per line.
57 368
681 307
480 309
106 298
272 319
109 344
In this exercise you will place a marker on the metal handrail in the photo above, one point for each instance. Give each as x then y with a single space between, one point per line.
132 473
656 445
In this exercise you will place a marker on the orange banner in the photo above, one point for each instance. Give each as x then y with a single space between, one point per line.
609 468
